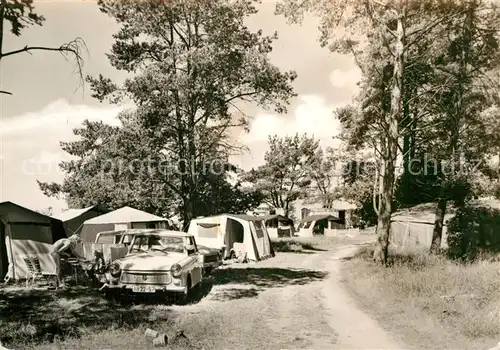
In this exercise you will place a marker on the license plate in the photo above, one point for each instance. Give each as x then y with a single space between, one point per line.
143 289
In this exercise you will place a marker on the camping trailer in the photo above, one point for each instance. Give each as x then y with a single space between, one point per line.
233 232
319 224
121 219
23 233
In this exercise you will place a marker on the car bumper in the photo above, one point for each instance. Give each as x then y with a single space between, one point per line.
145 288
213 265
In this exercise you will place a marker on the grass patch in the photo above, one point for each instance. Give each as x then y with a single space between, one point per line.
38 317
434 302
295 245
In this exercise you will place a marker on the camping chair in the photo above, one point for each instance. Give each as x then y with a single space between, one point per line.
35 271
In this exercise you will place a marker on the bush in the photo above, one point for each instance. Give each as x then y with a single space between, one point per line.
497 190
472 232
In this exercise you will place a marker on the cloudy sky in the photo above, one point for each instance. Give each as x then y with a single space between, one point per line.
47 104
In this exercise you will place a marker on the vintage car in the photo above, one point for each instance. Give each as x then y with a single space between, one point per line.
115 237
158 260
212 258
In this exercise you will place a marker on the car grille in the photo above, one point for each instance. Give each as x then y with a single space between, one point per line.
139 277
211 258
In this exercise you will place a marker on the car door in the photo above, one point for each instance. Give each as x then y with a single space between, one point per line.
197 266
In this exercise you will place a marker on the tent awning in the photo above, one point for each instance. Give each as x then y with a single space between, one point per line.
318 217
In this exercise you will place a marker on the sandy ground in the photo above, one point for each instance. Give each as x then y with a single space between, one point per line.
295 300
316 314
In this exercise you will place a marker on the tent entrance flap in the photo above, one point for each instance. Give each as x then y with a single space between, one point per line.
235 233
4 261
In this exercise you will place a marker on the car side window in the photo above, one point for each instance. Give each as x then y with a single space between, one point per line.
191 243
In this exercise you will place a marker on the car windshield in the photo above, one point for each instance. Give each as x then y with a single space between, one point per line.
158 243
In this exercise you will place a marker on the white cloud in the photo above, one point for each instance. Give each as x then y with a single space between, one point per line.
30 148
58 115
347 79
312 116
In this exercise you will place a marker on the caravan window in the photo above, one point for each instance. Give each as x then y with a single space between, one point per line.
106 238
258 229
208 230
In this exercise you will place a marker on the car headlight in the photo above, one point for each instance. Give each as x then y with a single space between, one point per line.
115 270
176 270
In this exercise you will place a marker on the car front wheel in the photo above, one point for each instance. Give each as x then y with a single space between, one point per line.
183 297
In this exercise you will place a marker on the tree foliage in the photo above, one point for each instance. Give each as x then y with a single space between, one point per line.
427 80
193 65
286 174
473 231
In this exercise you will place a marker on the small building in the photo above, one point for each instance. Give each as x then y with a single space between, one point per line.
23 233
319 224
338 208
73 219
121 219
278 225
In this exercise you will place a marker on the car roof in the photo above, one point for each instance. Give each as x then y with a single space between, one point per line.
156 231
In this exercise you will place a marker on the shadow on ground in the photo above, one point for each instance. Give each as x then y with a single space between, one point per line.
32 316
35 316
249 282
295 246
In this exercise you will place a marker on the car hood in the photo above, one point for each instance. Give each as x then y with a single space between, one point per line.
207 250
150 261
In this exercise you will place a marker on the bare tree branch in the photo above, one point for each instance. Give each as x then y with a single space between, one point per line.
74 47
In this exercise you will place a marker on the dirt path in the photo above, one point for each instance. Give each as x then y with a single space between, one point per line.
355 328
293 301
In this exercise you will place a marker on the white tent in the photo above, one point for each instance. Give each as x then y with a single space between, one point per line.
244 232
121 219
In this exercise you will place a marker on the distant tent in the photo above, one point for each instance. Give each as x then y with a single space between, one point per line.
121 219
317 224
245 232
73 219
25 232
278 225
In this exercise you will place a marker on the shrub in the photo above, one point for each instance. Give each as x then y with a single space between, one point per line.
473 231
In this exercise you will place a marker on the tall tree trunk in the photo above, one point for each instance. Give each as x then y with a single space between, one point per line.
386 196
437 233
187 212
498 167
407 125
456 116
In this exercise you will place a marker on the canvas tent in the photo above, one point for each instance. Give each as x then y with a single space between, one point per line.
121 219
278 225
319 224
244 232
414 226
24 232
73 219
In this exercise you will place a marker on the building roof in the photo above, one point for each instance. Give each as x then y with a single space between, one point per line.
70 214
342 205
238 216
320 217
272 217
5 204
425 213
149 231
125 215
